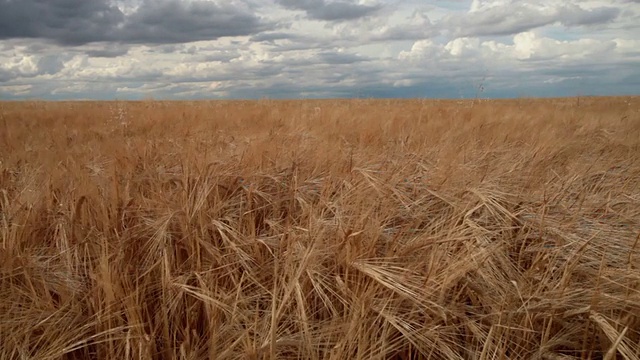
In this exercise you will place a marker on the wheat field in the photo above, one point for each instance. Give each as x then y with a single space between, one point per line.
320 229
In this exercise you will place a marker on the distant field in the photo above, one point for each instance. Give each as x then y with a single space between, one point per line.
333 229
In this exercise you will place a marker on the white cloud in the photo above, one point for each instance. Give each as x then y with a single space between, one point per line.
461 47
526 47
373 48
421 49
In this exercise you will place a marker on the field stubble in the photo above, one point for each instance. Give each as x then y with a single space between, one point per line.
320 229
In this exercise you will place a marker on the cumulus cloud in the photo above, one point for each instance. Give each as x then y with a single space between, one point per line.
31 65
529 46
528 60
526 47
316 48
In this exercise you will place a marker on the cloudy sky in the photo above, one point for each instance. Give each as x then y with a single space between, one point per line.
192 49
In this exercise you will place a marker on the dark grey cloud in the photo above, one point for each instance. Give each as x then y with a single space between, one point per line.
71 22
171 21
204 55
5 75
496 21
271 37
42 47
166 49
50 64
573 15
108 51
331 11
337 58
517 17
77 22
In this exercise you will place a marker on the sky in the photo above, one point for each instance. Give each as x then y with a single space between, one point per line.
251 49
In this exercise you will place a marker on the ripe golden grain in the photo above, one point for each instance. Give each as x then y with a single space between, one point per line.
329 229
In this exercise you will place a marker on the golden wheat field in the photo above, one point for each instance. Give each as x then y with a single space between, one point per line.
320 229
